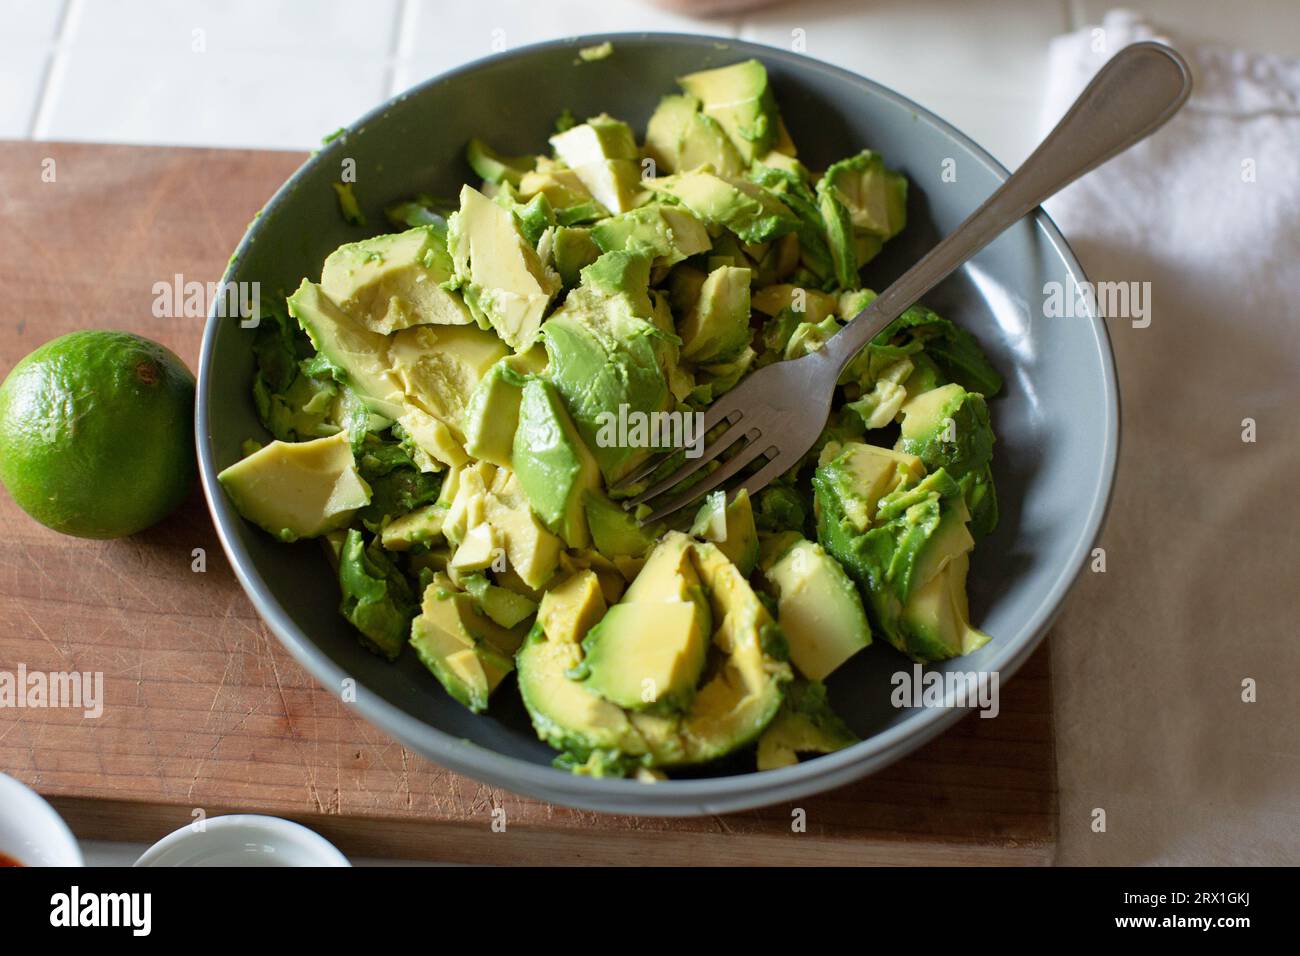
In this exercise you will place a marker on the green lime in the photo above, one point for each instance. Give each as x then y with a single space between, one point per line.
97 433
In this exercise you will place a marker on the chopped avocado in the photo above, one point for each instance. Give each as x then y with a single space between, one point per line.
570 609
717 327
421 526
395 281
601 51
553 465
805 724
648 651
573 250
936 616
745 208
680 138
948 427
741 100
298 489
377 600
810 305
875 197
562 189
531 551
603 154
840 239
357 356
492 167
478 548
449 638
492 413
348 205
818 608
397 485
500 274
603 351
858 475
730 526
670 233
440 366
433 438
502 605
614 531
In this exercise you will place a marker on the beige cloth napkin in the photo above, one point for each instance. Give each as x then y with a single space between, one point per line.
1201 590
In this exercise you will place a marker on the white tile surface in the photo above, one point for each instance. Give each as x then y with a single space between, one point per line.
28 21
22 75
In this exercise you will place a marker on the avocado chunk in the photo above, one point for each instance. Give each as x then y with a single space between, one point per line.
298 489
570 609
561 187
603 154
743 207
948 427
717 328
915 531
572 250
648 651
434 443
818 608
531 551
680 137
395 281
492 167
670 233
730 526
463 649
377 599
604 353
492 413
500 274
857 475
741 100
614 531
440 366
357 356
503 606
874 197
805 724
553 465
421 526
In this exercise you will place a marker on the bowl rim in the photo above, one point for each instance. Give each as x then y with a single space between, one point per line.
185 845
671 797
47 834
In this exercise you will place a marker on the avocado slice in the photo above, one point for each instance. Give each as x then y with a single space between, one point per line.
874 197
395 281
421 526
502 605
570 609
493 167
818 608
740 98
357 356
729 525
500 274
468 653
614 531
717 328
805 724
572 250
298 489
603 154
744 207
648 651
531 550
492 412
553 465
670 233
948 427
440 366
680 137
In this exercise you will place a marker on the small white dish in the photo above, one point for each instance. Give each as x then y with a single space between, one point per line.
243 839
31 832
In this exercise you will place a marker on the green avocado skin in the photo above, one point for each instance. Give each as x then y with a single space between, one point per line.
546 460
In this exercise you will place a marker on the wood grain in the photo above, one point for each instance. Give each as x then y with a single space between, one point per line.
204 710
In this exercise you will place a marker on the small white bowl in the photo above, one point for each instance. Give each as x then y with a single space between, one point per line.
243 839
31 832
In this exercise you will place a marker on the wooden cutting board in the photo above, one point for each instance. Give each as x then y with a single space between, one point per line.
204 710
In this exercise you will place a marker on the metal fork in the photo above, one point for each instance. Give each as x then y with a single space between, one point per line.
779 411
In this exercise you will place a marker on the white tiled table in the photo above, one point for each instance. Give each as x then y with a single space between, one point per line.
282 73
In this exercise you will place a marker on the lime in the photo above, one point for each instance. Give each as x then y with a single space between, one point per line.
97 433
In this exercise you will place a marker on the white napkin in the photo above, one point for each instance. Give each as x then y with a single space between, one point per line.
1201 590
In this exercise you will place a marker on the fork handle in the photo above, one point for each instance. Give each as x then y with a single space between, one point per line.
1131 97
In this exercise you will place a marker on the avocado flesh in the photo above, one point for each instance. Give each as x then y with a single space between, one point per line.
531 550
570 609
745 208
359 355
395 281
818 608
501 276
717 328
739 98
298 489
614 531
916 532
447 639
553 465
729 525
805 724
680 138
670 234
875 197
648 652
439 368
603 154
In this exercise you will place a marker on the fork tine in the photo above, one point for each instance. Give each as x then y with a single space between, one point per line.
692 465
653 463
737 461
760 479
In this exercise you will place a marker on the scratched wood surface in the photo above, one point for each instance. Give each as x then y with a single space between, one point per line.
202 707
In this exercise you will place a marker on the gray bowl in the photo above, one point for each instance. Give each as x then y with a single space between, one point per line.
1057 421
